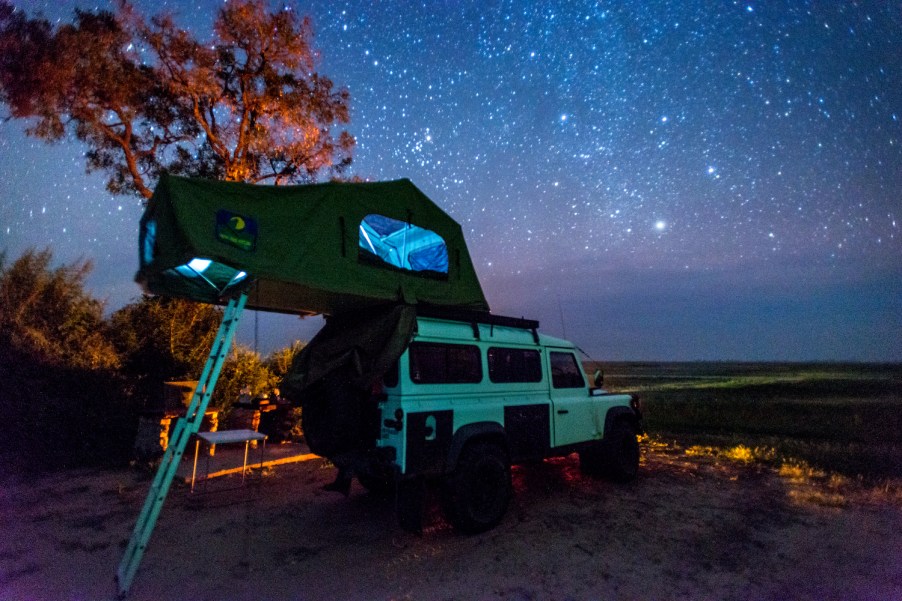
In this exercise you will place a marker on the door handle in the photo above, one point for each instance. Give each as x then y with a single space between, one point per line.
562 411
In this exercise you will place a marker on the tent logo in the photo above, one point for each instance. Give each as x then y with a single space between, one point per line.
237 230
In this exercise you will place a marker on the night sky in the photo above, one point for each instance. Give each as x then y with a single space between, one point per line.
653 180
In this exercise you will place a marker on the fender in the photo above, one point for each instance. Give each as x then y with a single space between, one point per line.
621 412
466 433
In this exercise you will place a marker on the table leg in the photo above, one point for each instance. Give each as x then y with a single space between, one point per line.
194 469
244 467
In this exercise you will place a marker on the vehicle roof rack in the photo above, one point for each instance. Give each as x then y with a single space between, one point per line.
477 317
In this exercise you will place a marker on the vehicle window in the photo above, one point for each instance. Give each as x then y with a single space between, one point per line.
565 371
434 363
514 365
402 245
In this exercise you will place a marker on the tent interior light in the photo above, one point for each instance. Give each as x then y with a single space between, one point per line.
199 265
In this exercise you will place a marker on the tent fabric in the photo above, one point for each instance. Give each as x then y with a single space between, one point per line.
366 343
332 377
299 249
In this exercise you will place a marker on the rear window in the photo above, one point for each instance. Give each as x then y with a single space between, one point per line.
565 371
435 363
514 365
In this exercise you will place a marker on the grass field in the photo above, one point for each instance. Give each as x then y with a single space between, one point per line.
839 418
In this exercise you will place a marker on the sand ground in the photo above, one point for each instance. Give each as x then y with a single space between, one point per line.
691 527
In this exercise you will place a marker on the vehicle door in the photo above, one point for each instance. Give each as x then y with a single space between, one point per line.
573 412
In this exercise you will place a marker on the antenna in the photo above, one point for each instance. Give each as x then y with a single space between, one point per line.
560 310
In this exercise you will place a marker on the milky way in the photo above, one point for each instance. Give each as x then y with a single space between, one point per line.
661 180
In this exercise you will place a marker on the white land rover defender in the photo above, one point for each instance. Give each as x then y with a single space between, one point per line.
417 396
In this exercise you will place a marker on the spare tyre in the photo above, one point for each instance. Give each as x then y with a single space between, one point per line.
331 415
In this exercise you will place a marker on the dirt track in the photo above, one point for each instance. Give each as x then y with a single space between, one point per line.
689 528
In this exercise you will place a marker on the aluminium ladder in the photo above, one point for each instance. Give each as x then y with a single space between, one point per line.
185 427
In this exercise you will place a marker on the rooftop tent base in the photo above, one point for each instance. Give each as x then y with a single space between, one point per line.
184 429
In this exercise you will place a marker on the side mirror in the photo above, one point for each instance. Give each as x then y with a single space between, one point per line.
598 378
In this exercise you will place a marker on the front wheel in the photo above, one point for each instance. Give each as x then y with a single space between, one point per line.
622 453
616 457
476 495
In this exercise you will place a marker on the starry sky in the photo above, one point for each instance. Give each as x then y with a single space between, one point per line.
652 180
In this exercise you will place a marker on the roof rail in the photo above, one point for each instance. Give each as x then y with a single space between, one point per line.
471 316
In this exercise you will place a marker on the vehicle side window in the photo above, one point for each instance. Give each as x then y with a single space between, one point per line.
434 363
514 365
565 371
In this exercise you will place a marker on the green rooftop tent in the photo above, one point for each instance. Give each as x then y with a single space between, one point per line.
323 248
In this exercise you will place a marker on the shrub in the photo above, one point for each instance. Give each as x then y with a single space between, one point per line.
63 402
162 339
242 368
46 313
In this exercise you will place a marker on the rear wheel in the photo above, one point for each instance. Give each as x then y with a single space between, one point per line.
476 495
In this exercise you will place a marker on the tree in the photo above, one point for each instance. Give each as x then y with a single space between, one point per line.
279 361
163 339
46 313
148 97
243 368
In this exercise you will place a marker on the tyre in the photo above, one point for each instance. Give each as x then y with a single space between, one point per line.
621 453
477 493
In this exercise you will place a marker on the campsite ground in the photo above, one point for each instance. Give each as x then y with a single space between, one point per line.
695 525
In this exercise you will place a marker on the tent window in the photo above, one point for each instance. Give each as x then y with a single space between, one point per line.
150 238
402 245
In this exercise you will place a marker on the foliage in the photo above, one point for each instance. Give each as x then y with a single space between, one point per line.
147 97
242 368
57 416
163 339
46 313
61 396
72 383
280 361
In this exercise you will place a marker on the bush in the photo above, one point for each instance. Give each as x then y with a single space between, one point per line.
72 384
162 339
62 400
47 314
279 362
242 368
